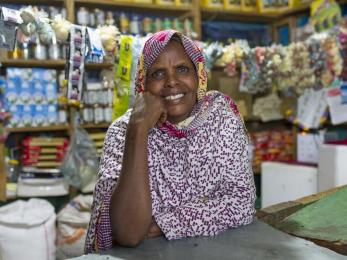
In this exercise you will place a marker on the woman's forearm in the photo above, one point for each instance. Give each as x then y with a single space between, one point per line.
131 207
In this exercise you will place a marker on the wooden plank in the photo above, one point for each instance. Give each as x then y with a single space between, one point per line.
51 64
197 18
70 9
38 129
129 4
35 2
96 126
273 216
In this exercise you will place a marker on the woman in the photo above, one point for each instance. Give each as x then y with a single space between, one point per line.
177 164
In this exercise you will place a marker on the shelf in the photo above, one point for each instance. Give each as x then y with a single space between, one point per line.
34 2
94 126
211 14
133 6
38 129
51 64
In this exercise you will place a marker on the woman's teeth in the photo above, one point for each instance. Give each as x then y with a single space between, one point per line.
173 97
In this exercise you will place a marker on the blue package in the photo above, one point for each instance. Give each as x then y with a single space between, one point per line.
40 115
51 93
25 93
27 115
16 115
38 92
52 114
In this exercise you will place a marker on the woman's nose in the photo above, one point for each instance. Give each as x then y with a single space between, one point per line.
172 80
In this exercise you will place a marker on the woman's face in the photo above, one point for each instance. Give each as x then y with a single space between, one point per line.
173 77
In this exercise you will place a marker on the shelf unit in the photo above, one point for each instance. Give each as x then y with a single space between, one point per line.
195 12
50 64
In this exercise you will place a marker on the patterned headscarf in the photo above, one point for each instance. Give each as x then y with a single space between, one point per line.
156 44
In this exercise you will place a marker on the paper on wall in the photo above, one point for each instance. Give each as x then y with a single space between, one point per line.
338 110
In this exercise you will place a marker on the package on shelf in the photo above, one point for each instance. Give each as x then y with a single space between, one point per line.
271 146
165 2
275 7
212 3
143 1
249 5
31 97
9 19
98 139
43 152
188 3
233 5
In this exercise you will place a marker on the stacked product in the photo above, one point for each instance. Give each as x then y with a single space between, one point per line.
31 97
98 139
132 23
41 152
40 175
98 102
33 47
271 146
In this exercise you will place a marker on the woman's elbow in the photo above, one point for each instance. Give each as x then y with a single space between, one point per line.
128 241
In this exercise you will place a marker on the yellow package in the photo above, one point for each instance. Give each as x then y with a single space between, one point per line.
249 5
212 4
232 5
187 3
164 2
270 7
122 78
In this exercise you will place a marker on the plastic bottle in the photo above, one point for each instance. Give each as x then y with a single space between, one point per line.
13 170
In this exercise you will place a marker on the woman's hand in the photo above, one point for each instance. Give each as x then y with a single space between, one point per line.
149 110
154 230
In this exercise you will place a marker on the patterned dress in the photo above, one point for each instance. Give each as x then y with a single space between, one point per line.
201 180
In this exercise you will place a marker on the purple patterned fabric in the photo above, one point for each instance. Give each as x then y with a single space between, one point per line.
201 180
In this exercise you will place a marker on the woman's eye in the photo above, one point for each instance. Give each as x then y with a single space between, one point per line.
182 69
158 74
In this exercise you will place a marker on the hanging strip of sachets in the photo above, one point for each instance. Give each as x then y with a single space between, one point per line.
75 62
9 19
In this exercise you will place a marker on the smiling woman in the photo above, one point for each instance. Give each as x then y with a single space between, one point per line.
176 164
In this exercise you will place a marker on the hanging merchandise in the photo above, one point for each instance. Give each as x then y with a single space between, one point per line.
123 77
232 56
61 28
337 109
9 19
342 36
311 109
268 108
325 14
80 163
36 21
137 45
212 52
95 53
109 36
75 68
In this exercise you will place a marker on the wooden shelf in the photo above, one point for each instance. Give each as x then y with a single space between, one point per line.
132 5
220 14
51 64
38 129
34 2
95 126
